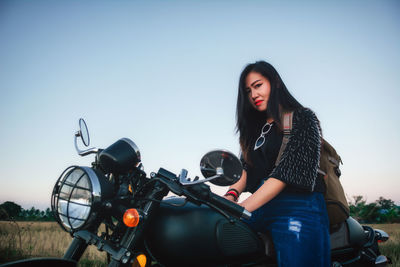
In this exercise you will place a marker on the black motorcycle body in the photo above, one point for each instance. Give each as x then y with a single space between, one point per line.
197 235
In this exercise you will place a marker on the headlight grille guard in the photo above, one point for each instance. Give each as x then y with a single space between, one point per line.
94 196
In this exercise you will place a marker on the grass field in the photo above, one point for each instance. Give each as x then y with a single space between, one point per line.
391 248
40 239
46 239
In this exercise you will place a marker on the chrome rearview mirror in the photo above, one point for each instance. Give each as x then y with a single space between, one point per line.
221 167
83 133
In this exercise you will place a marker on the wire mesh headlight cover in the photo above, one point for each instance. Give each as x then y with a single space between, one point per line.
76 196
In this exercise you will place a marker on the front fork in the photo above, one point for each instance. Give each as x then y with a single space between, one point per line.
76 249
123 253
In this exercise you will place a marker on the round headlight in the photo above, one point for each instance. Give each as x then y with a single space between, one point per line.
75 197
120 157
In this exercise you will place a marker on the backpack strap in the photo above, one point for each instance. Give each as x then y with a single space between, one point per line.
287 123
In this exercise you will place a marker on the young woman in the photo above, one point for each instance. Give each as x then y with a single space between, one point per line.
287 199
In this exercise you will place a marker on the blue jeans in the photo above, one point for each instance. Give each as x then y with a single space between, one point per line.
299 226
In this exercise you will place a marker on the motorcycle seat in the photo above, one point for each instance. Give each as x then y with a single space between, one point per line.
349 234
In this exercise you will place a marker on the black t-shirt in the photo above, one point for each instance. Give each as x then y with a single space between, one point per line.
263 159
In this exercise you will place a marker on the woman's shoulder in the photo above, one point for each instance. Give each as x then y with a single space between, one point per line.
305 116
304 112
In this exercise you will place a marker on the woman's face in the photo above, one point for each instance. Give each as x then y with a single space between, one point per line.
258 89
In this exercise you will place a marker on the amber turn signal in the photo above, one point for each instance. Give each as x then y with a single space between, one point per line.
140 261
131 217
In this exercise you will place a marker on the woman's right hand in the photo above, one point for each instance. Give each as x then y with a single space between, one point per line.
238 186
230 198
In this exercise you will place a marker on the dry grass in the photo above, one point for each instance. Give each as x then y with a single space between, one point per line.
40 239
391 248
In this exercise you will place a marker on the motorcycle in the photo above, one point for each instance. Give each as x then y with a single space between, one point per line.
144 227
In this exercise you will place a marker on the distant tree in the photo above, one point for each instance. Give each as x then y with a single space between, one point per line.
356 207
34 214
370 213
48 215
389 212
9 210
359 200
384 203
381 211
392 215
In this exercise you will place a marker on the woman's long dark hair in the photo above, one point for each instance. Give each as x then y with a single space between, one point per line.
248 120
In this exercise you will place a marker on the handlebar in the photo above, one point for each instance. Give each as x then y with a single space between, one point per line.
229 206
201 193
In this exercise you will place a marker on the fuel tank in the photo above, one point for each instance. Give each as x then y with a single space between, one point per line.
192 235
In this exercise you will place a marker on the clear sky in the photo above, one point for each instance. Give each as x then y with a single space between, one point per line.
165 74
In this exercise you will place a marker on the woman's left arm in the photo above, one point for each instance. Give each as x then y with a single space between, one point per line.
298 166
265 193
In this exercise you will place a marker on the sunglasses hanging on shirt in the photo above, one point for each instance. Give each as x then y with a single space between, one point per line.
261 140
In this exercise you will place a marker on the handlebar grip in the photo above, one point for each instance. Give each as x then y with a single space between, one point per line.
229 206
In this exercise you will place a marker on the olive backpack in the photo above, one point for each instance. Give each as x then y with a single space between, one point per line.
336 203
